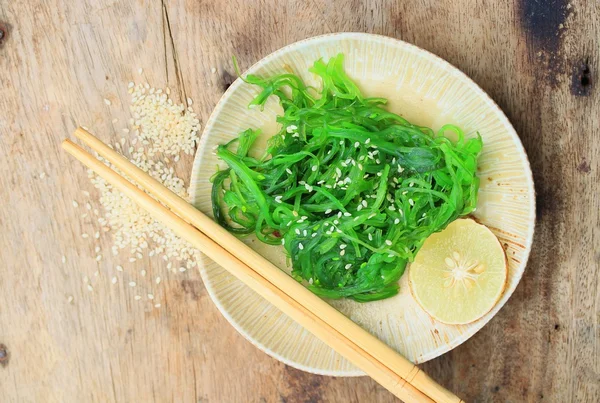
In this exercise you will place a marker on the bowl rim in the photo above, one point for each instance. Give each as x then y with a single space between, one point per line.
202 143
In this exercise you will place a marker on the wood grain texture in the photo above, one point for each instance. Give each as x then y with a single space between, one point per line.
59 60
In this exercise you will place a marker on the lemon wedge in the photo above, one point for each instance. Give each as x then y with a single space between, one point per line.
459 274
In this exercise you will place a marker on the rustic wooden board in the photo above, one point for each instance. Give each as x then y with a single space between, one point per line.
59 60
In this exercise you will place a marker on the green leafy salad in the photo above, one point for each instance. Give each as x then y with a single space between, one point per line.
348 188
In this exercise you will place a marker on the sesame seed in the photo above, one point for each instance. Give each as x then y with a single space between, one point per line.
342 252
97 249
328 211
310 280
357 144
346 214
140 70
88 206
343 246
90 288
289 171
283 241
348 266
213 70
300 246
370 237
297 231
70 299
364 203
64 259
411 202
42 175
143 273
150 296
114 280
388 242
119 268
157 305
137 297
107 101
368 141
132 284
314 168
182 269
84 236
397 221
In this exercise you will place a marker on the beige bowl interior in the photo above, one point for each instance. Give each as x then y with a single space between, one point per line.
427 91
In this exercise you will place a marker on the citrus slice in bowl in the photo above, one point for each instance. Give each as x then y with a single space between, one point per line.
459 274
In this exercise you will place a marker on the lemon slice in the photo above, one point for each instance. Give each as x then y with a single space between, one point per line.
459 274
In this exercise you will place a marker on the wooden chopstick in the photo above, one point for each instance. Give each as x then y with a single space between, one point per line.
317 307
383 375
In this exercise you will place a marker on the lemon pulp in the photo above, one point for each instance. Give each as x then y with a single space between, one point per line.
459 274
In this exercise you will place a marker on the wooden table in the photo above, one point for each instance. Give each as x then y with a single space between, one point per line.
59 60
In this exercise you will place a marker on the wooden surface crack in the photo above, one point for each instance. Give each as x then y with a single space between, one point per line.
170 41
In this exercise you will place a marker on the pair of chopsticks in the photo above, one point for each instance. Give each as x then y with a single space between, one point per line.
394 372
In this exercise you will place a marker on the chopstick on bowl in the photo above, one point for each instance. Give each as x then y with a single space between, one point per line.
378 360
